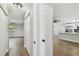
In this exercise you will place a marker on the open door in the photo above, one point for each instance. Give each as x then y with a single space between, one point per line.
42 24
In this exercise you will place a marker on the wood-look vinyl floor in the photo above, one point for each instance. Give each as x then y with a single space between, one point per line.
21 52
65 48
24 52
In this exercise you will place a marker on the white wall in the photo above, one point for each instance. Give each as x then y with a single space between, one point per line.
28 29
27 35
56 28
17 31
3 33
66 9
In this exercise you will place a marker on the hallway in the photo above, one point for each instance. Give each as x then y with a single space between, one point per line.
22 52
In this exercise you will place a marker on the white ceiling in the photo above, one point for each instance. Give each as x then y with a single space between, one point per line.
50 4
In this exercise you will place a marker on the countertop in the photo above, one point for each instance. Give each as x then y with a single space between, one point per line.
70 33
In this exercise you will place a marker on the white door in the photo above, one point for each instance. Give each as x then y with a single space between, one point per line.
45 30
49 31
42 30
